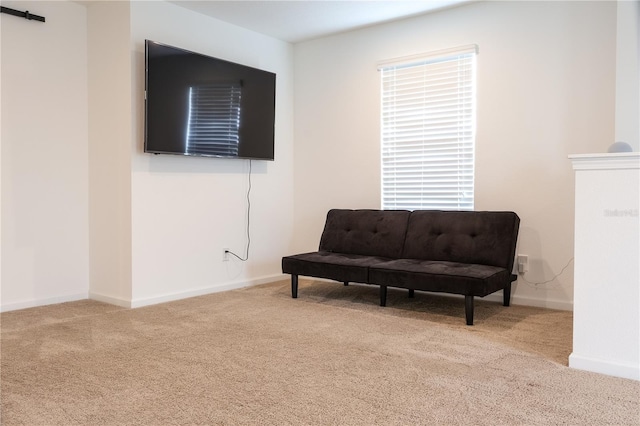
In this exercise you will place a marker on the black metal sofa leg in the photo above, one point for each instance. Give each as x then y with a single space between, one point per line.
383 295
294 286
412 292
507 295
468 309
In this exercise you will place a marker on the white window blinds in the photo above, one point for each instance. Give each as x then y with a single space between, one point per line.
214 119
428 131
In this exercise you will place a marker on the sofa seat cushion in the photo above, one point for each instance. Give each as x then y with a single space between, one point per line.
335 266
440 276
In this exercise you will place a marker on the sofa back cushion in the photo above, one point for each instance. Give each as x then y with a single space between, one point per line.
485 238
365 232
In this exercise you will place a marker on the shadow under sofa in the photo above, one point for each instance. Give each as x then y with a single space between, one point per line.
470 253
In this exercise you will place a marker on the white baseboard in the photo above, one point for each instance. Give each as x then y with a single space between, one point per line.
117 301
522 301
610 368
136 303
140 302
529 301
43 302
494 297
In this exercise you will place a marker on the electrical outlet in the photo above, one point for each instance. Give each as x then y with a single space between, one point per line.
523 263
225 254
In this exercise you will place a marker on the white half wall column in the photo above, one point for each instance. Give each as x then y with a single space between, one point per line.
606 305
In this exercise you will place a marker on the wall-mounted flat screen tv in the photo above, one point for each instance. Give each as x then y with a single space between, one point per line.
199 105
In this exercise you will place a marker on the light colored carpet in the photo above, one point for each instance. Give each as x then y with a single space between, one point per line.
332 357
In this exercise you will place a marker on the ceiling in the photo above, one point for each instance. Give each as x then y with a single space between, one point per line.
300 20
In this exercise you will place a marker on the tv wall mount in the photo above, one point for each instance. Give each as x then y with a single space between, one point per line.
20 14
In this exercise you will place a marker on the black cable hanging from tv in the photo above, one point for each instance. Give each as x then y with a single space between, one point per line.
20 14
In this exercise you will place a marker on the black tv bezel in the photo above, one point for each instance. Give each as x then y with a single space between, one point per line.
187 154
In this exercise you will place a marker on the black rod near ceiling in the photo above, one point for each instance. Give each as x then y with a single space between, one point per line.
20 14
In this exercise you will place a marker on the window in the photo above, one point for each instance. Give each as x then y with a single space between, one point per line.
428 130
214 119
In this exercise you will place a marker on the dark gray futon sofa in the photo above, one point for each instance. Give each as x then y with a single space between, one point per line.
461 252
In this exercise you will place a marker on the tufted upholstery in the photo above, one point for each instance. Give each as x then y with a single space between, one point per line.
440 276
335 266
485 238
365 232
468 253
351 242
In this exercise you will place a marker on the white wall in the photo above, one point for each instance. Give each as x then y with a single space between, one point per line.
186 210
84 211
110 124
628 73
81 202
546 89
44 155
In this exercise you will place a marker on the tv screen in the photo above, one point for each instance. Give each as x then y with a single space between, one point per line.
204 106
